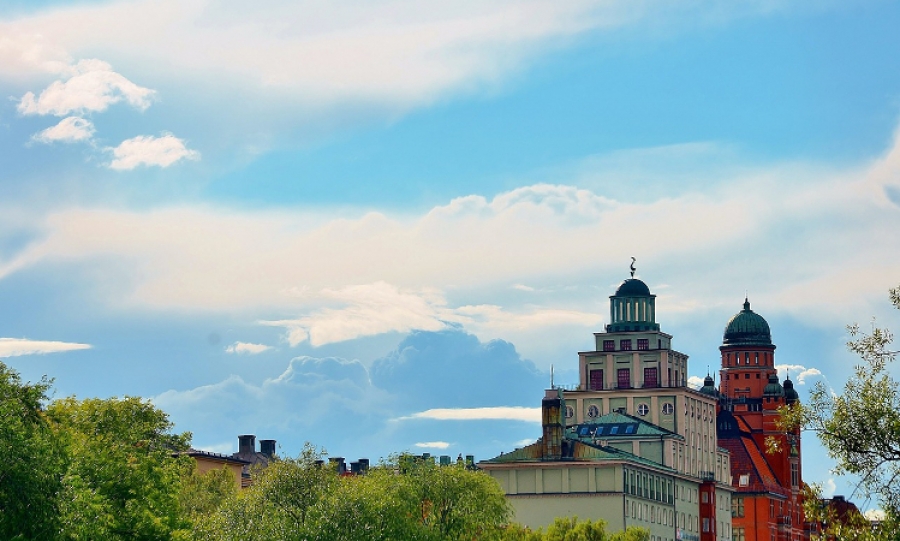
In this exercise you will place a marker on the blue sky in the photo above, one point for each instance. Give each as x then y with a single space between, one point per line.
376 225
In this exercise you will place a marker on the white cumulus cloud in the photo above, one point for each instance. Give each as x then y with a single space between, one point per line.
797 372
828 488
68 130
247 348
93 87
370 309
15 347
695 382
433 444
150 151
502 413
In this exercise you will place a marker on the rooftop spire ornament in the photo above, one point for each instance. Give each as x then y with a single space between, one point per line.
633 267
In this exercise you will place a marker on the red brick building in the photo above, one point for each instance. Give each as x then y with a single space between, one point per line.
766 504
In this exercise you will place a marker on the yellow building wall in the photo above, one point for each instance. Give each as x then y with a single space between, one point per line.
539 510
205 464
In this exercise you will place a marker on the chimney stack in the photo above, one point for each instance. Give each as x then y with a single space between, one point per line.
267 447
338 464
553 408
246 444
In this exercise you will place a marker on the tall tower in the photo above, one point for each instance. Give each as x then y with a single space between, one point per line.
633 369
766 504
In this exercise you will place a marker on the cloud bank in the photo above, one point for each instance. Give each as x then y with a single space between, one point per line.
15 347
377 272
340 400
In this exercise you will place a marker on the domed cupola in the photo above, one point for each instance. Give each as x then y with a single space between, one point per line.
790 395
633 287
633 307
773 388
747 328
709 386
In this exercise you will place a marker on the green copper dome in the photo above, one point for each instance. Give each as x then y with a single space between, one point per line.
709 386
633 287
773 388
790 394
747 328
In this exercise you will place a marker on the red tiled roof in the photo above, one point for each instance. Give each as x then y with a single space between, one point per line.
748 459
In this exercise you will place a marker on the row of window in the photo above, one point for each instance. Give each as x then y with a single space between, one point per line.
623 378
643 344
746 376
767 357
643 410
649 486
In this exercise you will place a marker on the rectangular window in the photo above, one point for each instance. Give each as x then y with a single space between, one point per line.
705 524
650 378
744 480
596 383
738 535
609 345
737 506
795 475
623 378
625 344
643 344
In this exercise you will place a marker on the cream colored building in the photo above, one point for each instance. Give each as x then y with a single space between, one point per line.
634 445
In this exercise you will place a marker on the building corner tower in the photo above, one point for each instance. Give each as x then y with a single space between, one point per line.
767 504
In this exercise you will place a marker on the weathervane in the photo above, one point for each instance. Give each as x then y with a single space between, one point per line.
633 267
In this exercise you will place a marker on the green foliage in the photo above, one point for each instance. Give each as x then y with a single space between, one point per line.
202 495
122 479
32 463
280 505
370 507
455 502
571 529
851 527
860 428
297 499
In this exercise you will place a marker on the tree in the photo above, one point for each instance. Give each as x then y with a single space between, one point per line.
860 427
202 494
572 529
124 472
457 503
303 498
32 460
280 505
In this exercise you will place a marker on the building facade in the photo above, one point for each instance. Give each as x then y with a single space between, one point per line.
632 444
765 459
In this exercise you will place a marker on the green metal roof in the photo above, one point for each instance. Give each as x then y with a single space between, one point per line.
614 426
633 287
581 452
747 328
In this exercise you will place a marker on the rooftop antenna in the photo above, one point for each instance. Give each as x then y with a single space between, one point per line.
632 266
